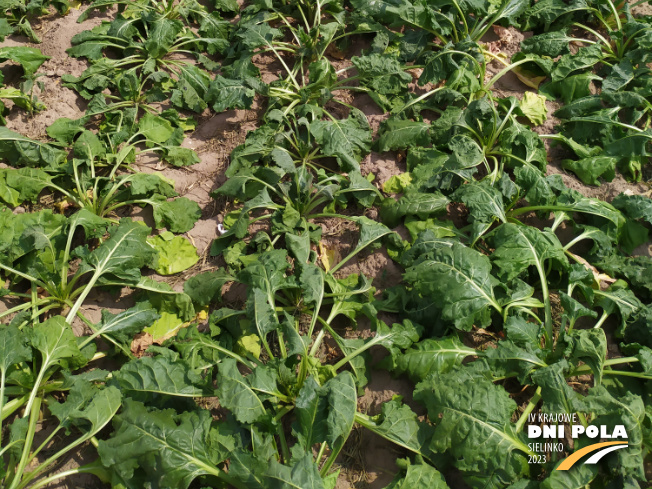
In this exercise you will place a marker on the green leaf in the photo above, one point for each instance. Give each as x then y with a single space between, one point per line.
123 254
396 134
17 150
590 347
180 156
634 206
417 476
178 215
571 88
485 202
578 478
13 348
519 247
508 358
346 139
161 35
64 129
304 474
27 183
419 204
590 169
431 355
123 325
586 57
557 395
459 280
550 44
630 410
149 378
381 73
29 58
226 94
618 300
325 413
473 427
235 393
5 29
621 74
175 253
55 341
573 310
155 128
397 184
144 185
172 449
400 425
206 287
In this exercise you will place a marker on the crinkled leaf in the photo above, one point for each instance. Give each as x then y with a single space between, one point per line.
172 449
149 378
459 280
178 215
175 253
473 426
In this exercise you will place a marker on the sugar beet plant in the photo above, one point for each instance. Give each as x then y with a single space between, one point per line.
262 391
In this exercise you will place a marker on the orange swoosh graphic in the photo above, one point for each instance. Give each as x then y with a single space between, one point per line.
570 461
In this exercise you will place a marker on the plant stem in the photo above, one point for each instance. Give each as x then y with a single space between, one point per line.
12 406
33 413
604 316
2 396
528 409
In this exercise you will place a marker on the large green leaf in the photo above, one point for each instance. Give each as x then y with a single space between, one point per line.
519 247
123 254
206 287
326 413
149 378
417 476
459 280
226 94
235 393
171 449
13 348
123 325
485 202
155 128
346 139
178 215
397 133
18 150
634 206
431 355
472 418
29 58
55 341
400 425
422 205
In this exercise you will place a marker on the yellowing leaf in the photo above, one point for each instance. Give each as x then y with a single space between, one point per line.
396 184
168 325
527 77
602 279
175 253
329 256
534 108
249 344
